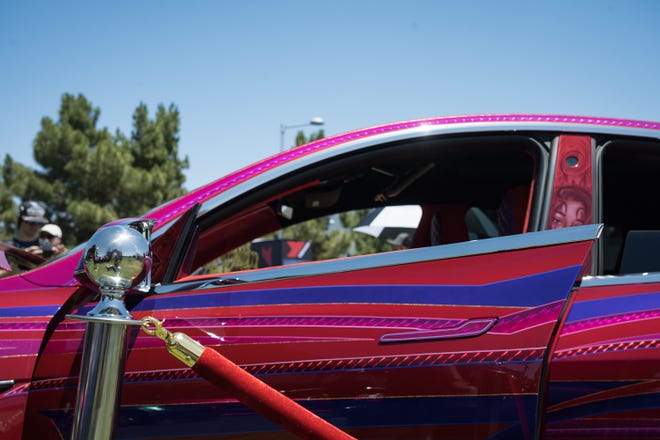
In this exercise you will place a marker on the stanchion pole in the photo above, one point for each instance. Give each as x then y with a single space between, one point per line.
102 372
116 259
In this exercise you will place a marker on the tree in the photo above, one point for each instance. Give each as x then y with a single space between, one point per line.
301 139
7 209
90 176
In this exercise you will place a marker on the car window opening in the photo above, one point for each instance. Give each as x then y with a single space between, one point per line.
465 189
632 221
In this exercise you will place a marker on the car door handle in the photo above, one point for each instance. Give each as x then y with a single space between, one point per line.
466 329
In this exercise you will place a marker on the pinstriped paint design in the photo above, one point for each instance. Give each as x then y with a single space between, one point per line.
616 328
617 318
609 348
617 323
548 287
330 365
597 309
214 325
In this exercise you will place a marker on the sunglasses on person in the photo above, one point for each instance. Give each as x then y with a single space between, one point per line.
33 223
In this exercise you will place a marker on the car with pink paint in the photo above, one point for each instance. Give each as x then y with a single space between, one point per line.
526 303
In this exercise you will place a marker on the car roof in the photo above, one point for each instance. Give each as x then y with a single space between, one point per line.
413 128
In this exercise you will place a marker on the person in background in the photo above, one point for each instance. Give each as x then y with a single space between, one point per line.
50 240
31 217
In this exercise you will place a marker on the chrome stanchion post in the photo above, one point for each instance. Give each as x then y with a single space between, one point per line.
116 259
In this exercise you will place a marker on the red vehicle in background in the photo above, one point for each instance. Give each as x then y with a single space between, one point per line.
527 305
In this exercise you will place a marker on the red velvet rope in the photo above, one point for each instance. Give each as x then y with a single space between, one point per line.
263 399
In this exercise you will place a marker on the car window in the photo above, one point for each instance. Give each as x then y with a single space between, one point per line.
344 235
630 180
321 238
461 189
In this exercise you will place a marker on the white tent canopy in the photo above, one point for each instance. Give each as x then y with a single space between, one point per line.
389 221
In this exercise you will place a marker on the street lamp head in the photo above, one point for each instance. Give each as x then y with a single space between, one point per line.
283 128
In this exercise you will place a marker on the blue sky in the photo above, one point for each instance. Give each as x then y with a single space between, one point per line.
236 70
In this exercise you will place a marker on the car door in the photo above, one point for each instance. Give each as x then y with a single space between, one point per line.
604 374
441 341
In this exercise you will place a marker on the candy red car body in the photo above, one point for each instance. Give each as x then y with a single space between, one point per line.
527 306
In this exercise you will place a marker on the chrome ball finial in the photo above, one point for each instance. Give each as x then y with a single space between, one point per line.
117 258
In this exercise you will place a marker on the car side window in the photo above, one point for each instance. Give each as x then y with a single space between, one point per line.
321 238
358 232
460 190
630 179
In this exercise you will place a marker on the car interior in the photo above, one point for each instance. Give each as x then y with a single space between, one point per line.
630 181
458 182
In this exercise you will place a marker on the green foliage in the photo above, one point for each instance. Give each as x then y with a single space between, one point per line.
89 176
336 239
7 209
241 258
302 139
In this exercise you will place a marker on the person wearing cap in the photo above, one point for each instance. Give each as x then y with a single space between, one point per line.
50 240
31 217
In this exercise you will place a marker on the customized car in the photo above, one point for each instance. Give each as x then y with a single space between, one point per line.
526 304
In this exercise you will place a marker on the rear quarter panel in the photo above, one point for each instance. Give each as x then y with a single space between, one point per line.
605 367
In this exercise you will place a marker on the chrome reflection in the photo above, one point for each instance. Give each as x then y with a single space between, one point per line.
618 280
117 258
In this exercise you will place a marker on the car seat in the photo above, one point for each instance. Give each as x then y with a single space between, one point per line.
441 224
513 212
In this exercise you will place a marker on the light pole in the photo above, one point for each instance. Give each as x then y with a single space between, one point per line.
284 127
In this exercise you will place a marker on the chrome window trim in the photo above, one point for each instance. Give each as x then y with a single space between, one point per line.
6 384
598 208
618 280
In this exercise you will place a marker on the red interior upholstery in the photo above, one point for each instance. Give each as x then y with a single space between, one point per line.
513 212
443 224
449 222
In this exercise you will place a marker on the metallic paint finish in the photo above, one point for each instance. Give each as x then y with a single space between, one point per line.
618 280
331 337
613 319
616 326
548 286
598 308
17 312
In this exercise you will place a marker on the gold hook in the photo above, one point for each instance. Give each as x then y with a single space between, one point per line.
152 326
180 345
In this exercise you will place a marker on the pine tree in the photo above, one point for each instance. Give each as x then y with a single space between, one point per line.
89 176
